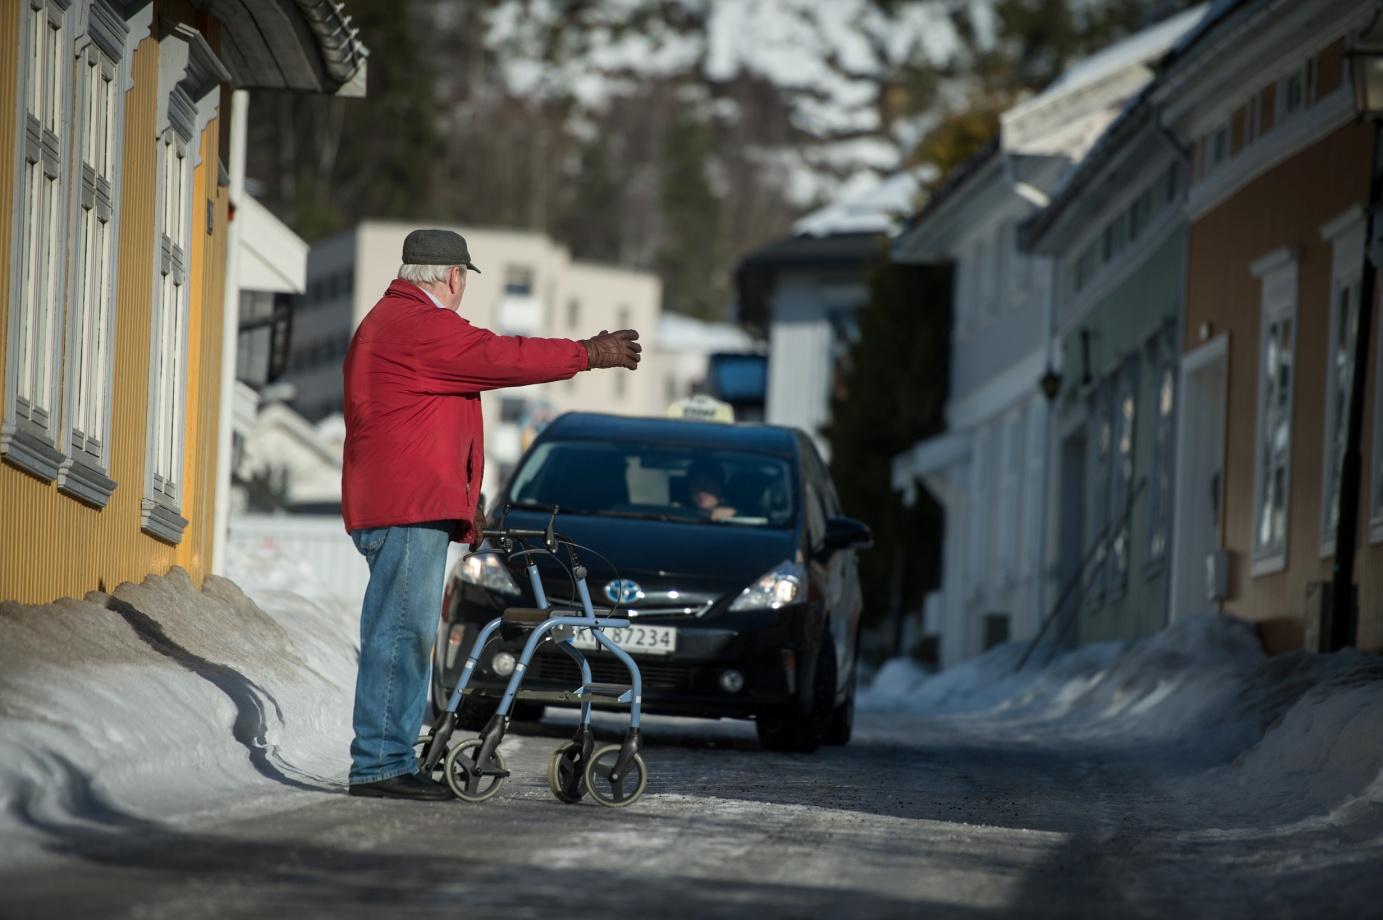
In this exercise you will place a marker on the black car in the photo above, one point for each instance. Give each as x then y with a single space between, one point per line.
725 544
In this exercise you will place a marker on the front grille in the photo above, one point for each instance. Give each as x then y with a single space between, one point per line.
657 675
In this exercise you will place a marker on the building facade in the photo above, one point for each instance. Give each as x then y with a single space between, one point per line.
1279 175
1117 239
112 269
990 470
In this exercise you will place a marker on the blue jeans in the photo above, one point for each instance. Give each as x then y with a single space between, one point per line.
398 626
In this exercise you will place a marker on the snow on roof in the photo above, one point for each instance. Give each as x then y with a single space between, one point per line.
879 208
1141 48
679 332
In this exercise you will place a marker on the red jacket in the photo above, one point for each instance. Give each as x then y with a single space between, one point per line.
415 440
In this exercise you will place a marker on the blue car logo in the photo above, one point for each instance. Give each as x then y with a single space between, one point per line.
623 591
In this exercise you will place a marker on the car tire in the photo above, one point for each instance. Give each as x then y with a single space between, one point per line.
803 732
843 717
527 712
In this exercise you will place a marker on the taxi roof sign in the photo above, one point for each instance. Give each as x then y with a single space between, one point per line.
701 408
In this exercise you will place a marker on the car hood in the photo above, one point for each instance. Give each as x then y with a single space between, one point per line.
698 561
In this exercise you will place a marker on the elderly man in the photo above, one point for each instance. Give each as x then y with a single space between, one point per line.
414 459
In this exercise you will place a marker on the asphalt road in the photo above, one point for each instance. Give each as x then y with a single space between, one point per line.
917 818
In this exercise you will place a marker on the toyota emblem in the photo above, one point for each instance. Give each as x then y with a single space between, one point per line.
623 591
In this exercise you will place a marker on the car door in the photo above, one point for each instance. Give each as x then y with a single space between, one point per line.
840 570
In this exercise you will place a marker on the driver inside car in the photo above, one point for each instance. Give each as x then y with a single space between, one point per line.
706 488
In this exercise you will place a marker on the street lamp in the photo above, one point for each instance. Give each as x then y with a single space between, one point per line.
1366 70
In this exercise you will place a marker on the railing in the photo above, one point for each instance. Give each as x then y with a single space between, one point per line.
1072 597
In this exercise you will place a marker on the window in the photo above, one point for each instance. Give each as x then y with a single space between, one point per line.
518 280
1097 504
1121 487
170 314
1086 265
1171 183
1276 367
1296 90
1347 236
91 333
1162 352
1010 489
185 57
512 409
35 334
1219 145
1140 214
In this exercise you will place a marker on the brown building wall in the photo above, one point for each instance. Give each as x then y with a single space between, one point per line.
54 545
1284 207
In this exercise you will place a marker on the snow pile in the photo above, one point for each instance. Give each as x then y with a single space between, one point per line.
159 700
1201 692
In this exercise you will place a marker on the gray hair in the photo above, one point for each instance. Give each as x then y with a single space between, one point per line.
427 274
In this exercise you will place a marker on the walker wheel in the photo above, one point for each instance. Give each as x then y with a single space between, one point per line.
465 780
611 792
564 773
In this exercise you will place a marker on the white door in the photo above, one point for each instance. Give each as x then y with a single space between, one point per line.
1199 487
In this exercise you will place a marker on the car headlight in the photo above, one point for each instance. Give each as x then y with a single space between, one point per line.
488 571
776 588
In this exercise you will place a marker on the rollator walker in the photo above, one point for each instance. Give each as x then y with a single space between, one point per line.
614 775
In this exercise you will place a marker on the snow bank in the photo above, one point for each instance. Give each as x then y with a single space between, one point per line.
160 700
1300 728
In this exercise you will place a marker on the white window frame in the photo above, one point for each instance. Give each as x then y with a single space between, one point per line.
1279 274
189 82
1306 73
1122 477
1346 236
1099 482
30 435
1162 355
102 63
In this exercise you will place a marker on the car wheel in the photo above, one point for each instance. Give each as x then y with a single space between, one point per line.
803 732
843 718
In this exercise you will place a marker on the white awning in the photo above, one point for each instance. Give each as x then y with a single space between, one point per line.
272 257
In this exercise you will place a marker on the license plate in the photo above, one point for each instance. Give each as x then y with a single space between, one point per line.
639 640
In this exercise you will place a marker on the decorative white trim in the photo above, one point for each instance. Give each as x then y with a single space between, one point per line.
1274 260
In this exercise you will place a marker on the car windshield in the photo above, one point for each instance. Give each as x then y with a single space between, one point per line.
658 482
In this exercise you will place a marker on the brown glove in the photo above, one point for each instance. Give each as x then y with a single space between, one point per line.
613 349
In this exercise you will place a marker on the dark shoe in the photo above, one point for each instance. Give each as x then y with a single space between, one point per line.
407 786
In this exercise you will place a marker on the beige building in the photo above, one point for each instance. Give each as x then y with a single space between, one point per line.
528 285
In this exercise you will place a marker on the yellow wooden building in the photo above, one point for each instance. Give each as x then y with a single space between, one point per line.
114 210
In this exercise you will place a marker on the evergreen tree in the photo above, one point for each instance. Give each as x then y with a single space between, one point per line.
892 395
691 259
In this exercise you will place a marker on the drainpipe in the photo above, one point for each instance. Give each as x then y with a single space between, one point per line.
230 331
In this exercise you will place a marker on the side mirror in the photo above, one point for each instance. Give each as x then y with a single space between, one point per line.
846 533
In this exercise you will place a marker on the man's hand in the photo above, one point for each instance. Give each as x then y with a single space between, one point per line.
613 349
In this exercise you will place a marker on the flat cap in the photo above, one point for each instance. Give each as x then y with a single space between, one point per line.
436 247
